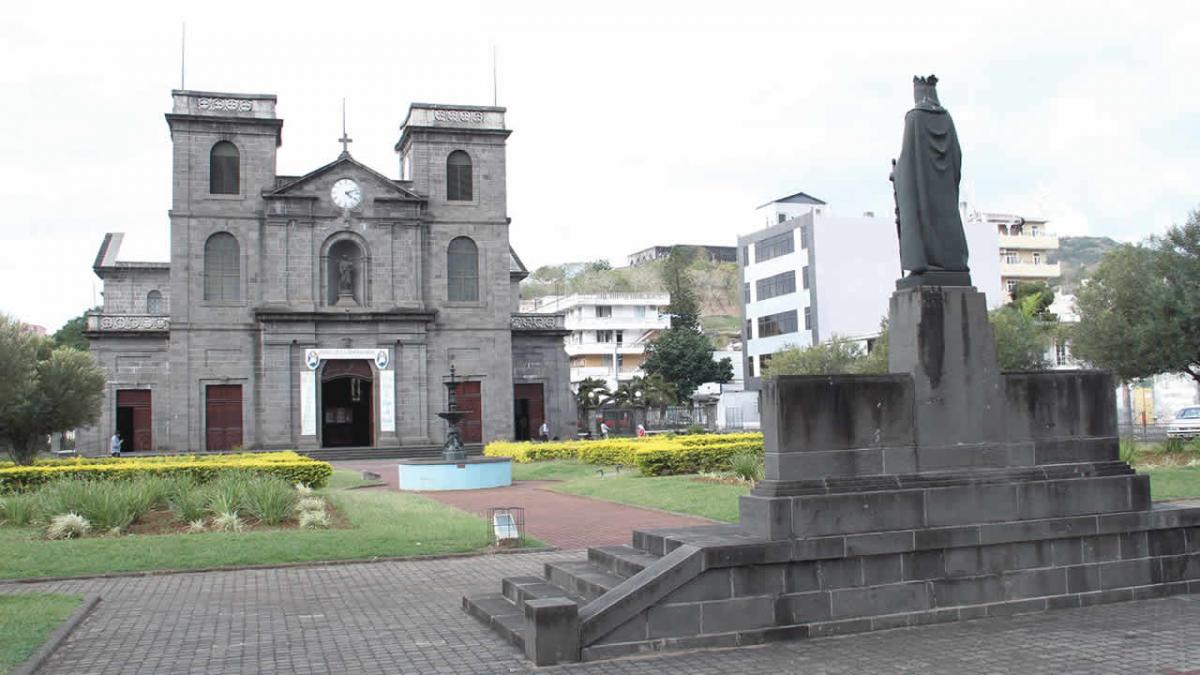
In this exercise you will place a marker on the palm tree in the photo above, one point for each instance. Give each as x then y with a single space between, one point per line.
591 393
628 394
657 393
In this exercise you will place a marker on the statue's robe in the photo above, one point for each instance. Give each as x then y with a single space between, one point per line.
926 181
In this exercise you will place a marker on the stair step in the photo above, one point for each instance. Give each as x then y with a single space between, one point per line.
499 614
520 590
582 578
624 561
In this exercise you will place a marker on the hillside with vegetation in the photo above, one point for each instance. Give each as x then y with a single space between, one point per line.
715 284
1078 257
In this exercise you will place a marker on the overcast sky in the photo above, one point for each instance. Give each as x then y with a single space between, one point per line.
634 124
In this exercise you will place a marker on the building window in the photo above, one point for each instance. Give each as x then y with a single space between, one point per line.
749 329
763 360
773 247
780 284
619 335
639 312
604 336
808 318
223 169
804 276
1012 257
1037 258
222 268
462 270
154 302
1061 357
746 292
620 362
1033 230
745 255
1010 285
458 177
804 236
603 311
777 324
780 217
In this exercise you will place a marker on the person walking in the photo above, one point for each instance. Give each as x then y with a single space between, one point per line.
114 444
604 430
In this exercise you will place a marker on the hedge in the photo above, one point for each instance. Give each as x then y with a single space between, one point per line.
651 455
288 465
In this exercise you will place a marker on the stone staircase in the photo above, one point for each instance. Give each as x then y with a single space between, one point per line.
580 582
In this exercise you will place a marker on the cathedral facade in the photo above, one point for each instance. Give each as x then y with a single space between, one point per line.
330 309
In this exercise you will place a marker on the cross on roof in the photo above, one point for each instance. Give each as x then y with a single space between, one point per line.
345 140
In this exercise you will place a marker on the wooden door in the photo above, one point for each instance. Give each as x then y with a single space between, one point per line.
470 400
536 405
140 436
223 416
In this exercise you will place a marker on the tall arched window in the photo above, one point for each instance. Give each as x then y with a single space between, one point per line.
462 270
222 268
458 177
223 169
154 303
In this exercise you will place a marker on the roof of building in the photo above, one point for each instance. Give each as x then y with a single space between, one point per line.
798 198
516 268
110 248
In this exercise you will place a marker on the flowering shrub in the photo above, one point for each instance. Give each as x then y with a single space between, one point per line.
651 455
289 466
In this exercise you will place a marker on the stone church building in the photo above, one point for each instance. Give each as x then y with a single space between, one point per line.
325 310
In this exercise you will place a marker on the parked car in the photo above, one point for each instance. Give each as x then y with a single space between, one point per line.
1186 423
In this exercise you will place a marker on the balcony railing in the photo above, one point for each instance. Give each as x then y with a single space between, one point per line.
127 323
1030 270
529 321
1028 242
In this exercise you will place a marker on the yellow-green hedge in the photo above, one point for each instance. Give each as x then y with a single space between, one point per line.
292 467
651 455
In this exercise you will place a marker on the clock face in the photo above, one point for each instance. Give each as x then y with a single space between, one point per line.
346 194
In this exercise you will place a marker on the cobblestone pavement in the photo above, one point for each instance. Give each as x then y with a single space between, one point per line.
405 617
562 520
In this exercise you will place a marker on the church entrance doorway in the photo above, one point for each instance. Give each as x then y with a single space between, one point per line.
530 411
223 416
133 419
347 406
469 400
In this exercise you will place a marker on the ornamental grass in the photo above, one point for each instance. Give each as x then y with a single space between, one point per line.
651 455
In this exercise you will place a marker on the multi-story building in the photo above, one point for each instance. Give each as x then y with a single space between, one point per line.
713 253
1025 246
810 275
609 331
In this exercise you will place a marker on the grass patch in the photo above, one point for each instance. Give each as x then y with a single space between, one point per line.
26 619
344 479
382 524
565 469
681 494
1173 483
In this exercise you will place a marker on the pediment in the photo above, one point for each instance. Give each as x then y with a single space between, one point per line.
316 184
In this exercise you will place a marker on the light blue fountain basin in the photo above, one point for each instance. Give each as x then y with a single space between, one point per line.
476 473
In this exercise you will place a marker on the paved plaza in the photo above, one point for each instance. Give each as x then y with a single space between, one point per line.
404 617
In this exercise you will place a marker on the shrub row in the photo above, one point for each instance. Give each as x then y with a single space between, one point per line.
288 466
652 456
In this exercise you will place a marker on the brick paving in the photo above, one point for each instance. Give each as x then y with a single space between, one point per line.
404 617
565 521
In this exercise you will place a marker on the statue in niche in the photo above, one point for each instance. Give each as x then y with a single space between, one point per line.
933 246
345 269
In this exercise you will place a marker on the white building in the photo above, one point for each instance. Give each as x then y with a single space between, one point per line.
811 275
609 331
1025 243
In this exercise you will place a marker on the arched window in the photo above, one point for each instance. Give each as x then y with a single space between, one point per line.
462 270
223 169
154 303
222 268
458 177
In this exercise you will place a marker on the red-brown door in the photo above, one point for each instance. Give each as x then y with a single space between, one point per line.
134 412
469 399
530 409
223 416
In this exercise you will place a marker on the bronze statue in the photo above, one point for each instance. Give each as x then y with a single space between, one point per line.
933 247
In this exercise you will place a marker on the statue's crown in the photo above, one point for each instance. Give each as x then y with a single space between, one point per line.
925 92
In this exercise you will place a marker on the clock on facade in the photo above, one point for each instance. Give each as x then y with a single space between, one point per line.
346 194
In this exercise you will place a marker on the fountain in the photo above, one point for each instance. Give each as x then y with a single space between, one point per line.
454 471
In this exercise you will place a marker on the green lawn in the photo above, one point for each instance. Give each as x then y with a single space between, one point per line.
26 619
1173 483
681 494
384 524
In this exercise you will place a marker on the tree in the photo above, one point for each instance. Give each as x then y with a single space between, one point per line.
1021 339
591 393
682 356
600 265
838 355
43 390
1139 311
71 334
1034 299
684 308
